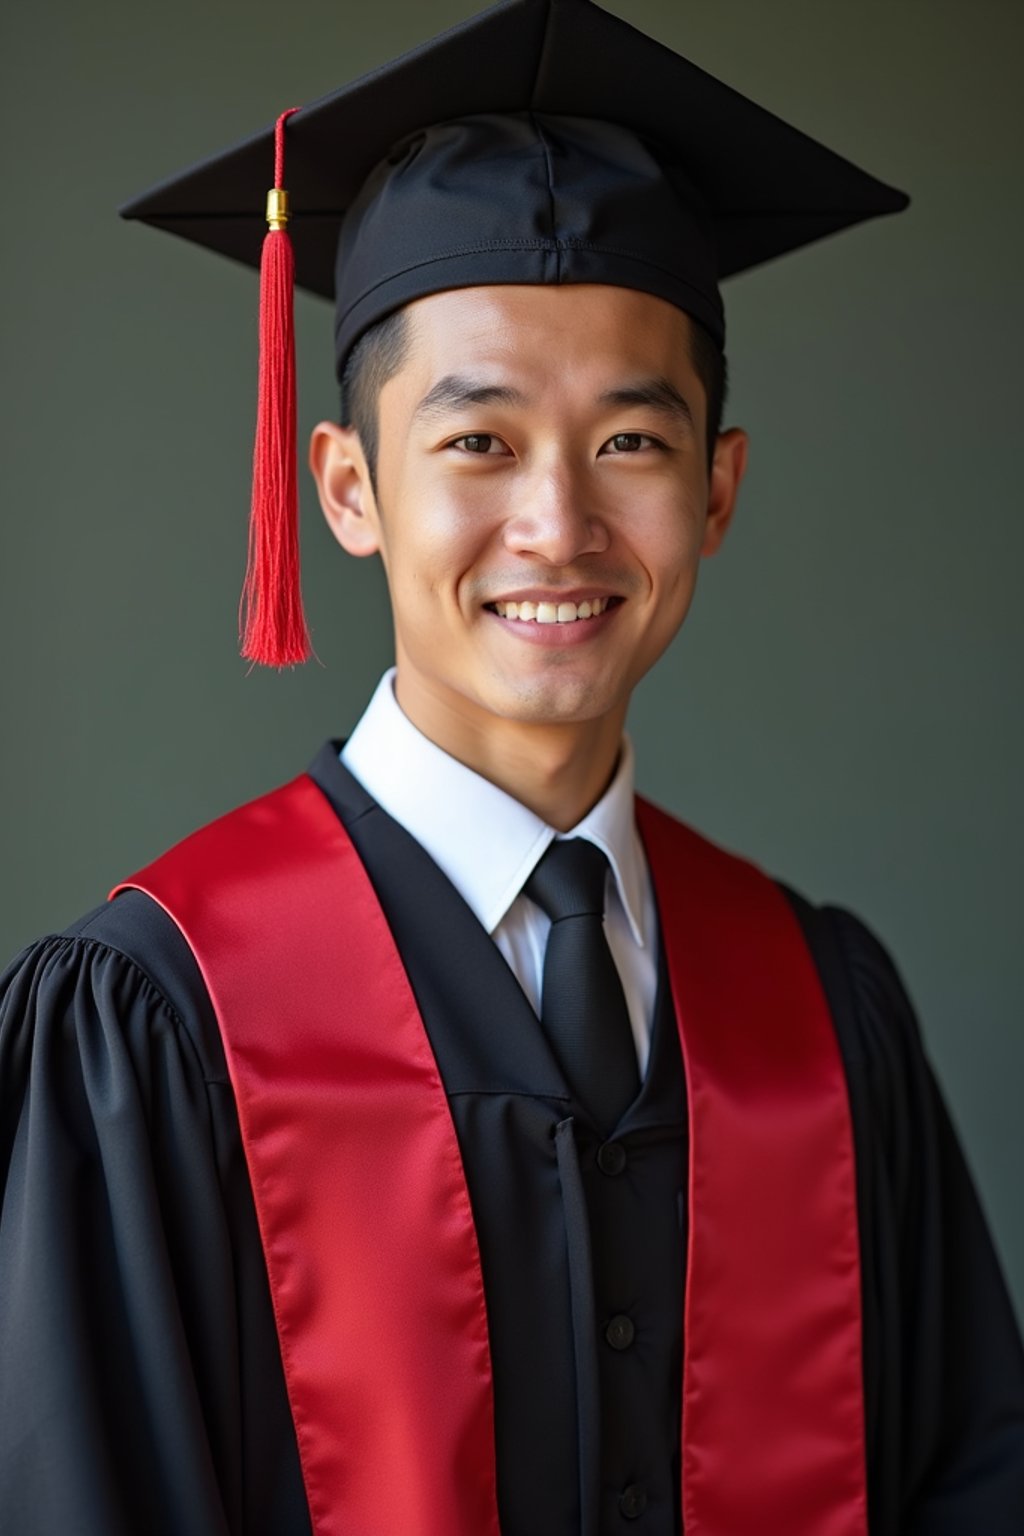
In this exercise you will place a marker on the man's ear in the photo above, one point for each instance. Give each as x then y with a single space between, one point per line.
342 477
727 469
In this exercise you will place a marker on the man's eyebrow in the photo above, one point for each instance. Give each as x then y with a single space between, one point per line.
455 390
657 393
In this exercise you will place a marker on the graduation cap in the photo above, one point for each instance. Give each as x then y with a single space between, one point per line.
541 141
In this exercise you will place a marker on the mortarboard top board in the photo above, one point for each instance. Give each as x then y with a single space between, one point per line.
541 141
768 187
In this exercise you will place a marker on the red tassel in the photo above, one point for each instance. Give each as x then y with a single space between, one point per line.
275 633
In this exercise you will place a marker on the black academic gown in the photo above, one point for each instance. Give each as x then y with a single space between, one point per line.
141 1387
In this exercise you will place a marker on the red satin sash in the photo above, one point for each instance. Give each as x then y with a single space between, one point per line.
365 1217
362 1204
773 1402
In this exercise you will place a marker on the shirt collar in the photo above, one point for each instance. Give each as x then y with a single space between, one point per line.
484 840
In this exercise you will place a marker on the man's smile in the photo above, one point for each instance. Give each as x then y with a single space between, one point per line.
556 621
549 611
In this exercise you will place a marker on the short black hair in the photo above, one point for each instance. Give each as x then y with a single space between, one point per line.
711 367
382 349
378 354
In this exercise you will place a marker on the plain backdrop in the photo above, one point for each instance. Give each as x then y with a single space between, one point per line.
842 704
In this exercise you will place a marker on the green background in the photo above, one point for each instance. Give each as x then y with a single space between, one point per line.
842 703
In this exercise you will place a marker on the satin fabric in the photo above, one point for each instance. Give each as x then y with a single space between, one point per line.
773 1400
362 1204
389 1380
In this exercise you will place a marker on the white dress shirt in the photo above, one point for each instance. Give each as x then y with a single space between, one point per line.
488 844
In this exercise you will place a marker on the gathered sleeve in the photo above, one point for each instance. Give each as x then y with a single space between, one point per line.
119 1403
946 1383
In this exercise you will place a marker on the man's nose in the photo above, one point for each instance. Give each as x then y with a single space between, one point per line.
557 517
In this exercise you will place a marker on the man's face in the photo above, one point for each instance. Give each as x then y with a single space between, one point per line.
543 493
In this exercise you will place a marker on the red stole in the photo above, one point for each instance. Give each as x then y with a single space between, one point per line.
365 1217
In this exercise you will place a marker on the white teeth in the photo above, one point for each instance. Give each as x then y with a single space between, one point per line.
553 613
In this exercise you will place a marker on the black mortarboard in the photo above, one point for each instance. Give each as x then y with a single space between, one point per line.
541 141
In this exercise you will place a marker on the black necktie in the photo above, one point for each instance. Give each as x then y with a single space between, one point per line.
583 1006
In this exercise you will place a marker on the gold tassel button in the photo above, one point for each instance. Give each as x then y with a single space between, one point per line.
278 210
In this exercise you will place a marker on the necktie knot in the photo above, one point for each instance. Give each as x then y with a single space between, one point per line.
569 880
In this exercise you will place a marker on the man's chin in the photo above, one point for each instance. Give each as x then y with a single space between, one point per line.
549 702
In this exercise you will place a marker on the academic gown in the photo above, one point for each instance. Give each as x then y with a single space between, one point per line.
141 1388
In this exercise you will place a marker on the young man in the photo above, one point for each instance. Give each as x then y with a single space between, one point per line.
447 1141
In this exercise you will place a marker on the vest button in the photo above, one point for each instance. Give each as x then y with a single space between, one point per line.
620 1332
633 1501
611 1157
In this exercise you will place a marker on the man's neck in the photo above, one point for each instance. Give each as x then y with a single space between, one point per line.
559 771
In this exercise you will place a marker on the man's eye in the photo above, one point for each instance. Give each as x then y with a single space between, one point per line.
629 442
476 442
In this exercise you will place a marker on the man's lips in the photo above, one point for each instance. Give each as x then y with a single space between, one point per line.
543 608
554 619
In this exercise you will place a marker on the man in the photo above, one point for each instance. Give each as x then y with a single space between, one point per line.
443 1140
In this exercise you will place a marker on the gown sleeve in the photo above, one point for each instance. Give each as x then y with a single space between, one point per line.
124 1308
947 1384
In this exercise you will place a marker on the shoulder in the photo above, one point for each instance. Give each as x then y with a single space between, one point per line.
857 968
119 978
875 1020
124 969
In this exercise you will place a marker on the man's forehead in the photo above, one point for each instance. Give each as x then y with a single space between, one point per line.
513 333
480 306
